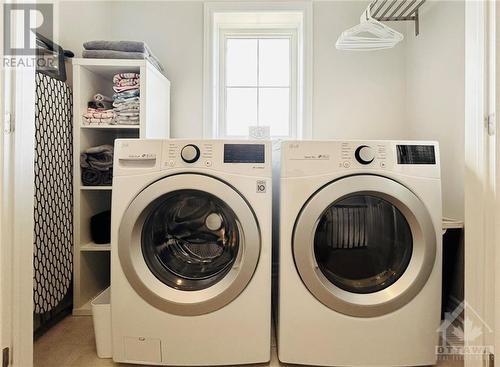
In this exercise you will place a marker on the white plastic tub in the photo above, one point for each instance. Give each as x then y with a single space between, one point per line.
101 315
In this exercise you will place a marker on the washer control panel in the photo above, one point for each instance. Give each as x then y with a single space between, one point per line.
364 154
186 154
190 153
227 155
242 157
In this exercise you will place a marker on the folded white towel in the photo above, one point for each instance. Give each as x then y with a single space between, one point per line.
124 88
127 106
127 114
97 121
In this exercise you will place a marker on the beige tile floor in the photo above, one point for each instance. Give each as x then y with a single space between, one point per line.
71 344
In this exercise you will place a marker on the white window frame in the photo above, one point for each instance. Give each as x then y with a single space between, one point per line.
257 16
226 34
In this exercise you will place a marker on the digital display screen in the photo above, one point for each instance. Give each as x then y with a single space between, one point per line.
244 153
416 154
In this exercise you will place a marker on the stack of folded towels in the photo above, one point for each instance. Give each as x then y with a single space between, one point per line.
120 50
99 111
97 166
126 98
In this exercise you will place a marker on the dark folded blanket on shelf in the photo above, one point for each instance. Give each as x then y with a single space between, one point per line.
127 46
103 105
97 166
95 177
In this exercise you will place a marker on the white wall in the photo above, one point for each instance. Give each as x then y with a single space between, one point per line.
173 30
414 91
358 95
436 92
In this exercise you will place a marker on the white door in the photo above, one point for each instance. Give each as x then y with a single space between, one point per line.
16 214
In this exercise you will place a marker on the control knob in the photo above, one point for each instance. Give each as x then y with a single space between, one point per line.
190 153
364 154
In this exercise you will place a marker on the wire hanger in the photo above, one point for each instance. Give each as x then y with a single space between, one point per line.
368 35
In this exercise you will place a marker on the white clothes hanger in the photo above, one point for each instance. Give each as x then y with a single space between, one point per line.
368 35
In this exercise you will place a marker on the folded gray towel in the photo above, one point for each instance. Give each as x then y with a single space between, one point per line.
127 46
106 148
94 177
99 158
113 54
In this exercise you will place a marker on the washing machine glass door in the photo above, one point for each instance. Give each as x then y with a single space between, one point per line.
364 245
190 239
189 244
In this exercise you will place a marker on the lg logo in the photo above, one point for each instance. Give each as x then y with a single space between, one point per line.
261 187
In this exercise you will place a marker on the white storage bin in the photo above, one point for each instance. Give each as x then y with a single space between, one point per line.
101 315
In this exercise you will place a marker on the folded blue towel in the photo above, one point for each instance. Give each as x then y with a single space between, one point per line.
121 103
127 94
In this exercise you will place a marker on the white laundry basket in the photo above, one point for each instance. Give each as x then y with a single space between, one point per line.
101 315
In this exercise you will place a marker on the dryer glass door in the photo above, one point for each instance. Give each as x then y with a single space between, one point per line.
364 245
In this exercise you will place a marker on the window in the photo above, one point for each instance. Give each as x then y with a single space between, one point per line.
257 68
258 83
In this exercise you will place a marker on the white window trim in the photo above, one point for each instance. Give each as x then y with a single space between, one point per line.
257 33
215 22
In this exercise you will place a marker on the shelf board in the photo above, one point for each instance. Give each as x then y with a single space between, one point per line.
91 246
118 64
106 68
95 188
110 127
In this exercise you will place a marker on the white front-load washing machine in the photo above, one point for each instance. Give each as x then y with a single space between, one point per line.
360 253
191 252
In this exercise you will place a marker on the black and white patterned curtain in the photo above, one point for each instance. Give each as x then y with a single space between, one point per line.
53 247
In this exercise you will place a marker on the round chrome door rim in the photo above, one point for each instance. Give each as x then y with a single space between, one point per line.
411 281
157 293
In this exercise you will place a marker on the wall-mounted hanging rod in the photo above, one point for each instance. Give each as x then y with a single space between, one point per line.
397 10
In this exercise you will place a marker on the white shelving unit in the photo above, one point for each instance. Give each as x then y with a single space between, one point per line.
91 272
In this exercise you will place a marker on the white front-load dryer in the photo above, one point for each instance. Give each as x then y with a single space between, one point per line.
360 253
191 252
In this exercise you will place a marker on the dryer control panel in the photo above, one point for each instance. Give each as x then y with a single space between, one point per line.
246 157
418 158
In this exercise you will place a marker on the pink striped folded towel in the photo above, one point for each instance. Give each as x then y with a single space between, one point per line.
121 76
126 82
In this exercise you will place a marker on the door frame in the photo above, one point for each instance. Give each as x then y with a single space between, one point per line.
481 288
17 144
